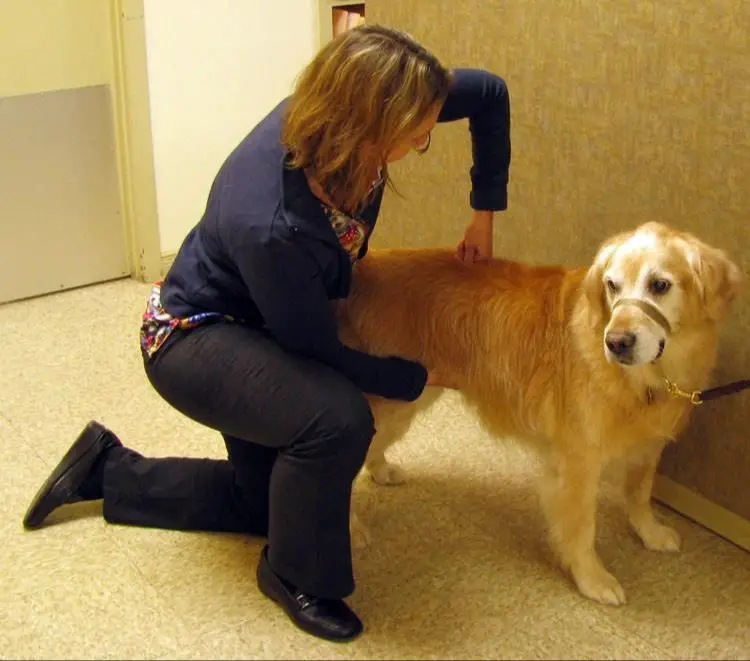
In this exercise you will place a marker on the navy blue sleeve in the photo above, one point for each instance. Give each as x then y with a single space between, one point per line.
482 97
285 283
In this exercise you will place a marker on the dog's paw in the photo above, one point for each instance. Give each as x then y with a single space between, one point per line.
658 537
601 586
388 474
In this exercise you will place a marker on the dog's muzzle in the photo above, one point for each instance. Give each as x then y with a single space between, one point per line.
653 313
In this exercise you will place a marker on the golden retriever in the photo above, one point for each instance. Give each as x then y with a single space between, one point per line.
573 360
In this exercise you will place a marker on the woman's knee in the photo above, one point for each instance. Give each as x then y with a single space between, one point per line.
342 426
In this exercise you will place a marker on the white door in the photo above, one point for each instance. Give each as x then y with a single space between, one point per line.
61 221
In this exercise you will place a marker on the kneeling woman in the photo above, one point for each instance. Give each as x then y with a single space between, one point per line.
241 336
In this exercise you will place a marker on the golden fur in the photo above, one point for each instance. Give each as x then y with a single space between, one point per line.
526 347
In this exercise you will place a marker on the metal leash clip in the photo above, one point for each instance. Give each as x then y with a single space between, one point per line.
673 389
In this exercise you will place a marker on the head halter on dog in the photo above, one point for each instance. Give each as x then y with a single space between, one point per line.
649 309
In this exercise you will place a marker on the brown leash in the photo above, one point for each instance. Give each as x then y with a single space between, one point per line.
696 397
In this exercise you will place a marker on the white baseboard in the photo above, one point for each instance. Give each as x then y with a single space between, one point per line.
716 518
166 261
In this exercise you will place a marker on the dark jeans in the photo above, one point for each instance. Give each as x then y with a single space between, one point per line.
296 432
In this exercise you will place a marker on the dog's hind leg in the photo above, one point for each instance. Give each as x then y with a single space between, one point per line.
392 421
639 482
569 496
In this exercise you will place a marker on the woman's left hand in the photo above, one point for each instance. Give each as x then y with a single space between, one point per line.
476 245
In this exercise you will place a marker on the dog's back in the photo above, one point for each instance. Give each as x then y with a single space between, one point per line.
499 328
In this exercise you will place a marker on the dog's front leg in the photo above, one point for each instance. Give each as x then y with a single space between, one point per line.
570 499
639 482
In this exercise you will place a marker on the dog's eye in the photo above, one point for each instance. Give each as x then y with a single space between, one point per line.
660 286
612 286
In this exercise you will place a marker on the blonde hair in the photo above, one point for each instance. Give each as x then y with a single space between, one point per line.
363 93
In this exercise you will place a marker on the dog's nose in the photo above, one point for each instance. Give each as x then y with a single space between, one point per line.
620 343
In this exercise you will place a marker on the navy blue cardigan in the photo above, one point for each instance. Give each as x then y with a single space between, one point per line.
264 251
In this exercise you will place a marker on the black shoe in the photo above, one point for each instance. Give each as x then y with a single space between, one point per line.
62 486
331 619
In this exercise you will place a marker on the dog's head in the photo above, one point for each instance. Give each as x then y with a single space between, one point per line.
648 285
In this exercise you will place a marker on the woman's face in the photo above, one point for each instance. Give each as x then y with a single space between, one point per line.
418 139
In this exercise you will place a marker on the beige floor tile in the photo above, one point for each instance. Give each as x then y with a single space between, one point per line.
68 591
419 539
276 638
414 623
490 481
696 603
78 360
224 644
462 583
74 371
72 595
207 579
20 464
570 635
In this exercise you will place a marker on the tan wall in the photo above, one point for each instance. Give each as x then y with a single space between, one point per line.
620 113
53 45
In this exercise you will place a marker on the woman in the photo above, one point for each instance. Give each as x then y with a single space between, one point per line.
241 335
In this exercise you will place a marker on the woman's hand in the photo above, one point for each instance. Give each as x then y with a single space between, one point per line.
476 245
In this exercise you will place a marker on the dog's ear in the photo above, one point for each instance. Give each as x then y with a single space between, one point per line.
593 282
717 278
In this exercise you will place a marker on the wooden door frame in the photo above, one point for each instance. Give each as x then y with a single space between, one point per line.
135 156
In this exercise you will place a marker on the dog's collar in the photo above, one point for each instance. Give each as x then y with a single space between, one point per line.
649 309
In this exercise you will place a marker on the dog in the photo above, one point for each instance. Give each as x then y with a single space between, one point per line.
574 361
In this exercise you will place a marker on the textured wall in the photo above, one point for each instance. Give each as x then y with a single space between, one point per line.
620 113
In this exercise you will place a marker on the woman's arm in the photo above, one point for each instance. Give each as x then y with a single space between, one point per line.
482 97
286 286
